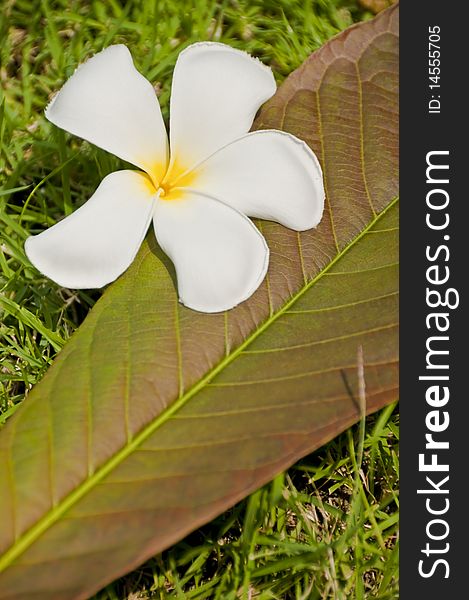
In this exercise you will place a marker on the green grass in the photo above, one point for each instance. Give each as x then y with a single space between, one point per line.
326 528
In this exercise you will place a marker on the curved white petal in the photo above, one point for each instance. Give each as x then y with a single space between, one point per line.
219 255
110 104
268 174
215 95
97 243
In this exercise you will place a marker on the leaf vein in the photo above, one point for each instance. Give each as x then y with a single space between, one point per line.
362 139
386 266
299 375
302 262
323 341
337 307
267 408
323 156
178 349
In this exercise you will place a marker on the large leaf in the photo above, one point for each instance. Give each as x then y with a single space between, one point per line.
154 418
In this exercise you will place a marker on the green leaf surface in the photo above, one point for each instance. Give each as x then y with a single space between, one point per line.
154 418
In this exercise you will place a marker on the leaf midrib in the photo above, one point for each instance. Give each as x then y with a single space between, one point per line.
29 537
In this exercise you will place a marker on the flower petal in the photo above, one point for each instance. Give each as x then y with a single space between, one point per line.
97 243
215 95
268 174
219 255
110 104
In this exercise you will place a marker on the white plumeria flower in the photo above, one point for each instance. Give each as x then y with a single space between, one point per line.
198 195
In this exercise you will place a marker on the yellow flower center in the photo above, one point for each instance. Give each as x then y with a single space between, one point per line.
165 189
171 185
